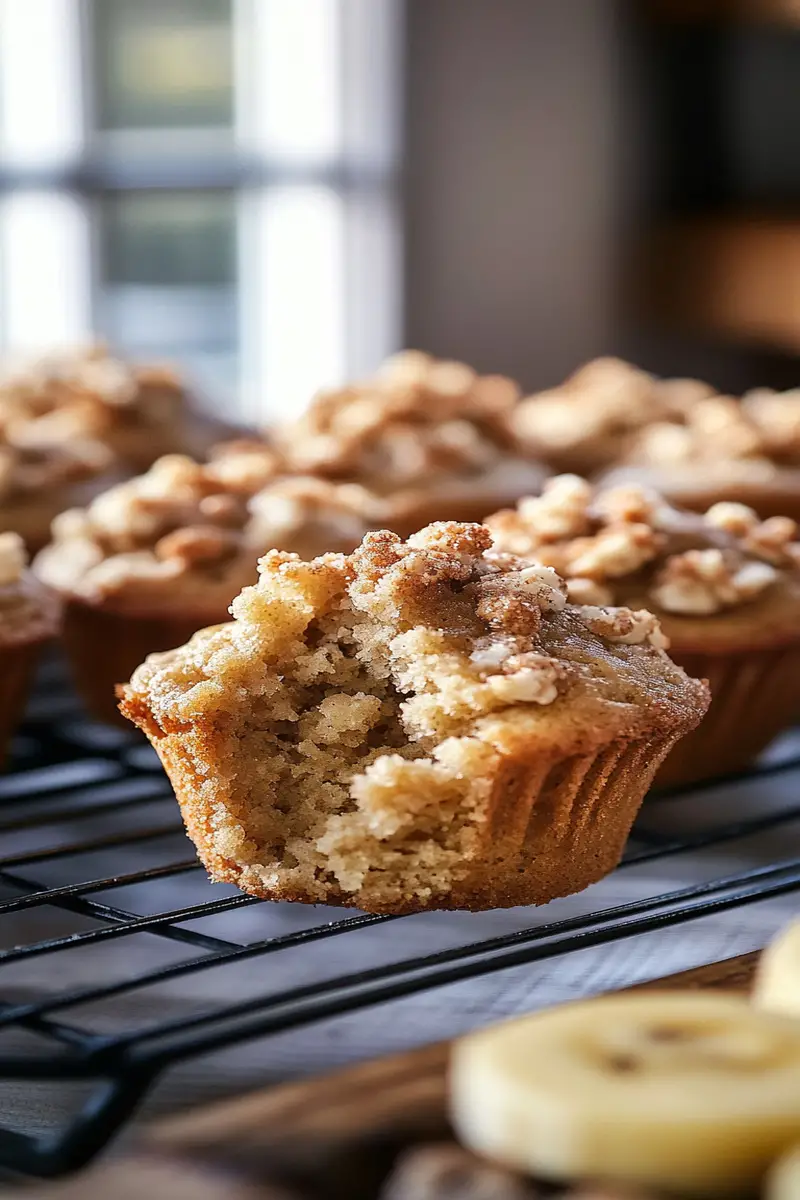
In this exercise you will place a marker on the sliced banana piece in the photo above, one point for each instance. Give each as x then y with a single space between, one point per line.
688 1092
783 1181
777 986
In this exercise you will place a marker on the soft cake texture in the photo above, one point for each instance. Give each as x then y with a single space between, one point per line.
419 724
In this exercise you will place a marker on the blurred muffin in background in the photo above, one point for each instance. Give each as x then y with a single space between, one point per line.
725 587
432 438
42 473
72 425
29 617
154 559
593 418
746 451
139 412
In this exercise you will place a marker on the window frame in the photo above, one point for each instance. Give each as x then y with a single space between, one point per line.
360 167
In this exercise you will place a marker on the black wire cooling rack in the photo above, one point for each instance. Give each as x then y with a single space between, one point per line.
78 795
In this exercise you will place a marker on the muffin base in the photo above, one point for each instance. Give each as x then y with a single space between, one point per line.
754 697
105 647
17 663
551 828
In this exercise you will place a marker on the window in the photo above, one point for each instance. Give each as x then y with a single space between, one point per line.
207 180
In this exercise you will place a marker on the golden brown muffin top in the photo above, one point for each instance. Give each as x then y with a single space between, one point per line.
184 524
591 417
416 420
27 610
619 543
459 629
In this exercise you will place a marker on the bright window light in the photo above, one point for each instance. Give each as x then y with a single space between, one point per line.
291 107
41 97
44 252
298 342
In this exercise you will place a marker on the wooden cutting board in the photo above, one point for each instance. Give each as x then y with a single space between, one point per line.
363 1114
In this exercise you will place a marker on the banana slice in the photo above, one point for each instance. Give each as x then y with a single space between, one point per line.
688 1092
777 986
783 1181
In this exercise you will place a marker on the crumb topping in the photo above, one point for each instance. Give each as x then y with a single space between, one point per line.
69 418
415 420
627 540
592 417
184 521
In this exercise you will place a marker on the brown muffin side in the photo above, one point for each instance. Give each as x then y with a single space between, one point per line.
29 618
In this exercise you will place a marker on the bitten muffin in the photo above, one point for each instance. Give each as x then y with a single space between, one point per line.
433 438
592 419
421 724
29 616
156 558
725 587
745 450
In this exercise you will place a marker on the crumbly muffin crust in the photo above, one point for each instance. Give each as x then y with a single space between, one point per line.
627 545
185 536
416 419
349 735
433 438
593 418
90 398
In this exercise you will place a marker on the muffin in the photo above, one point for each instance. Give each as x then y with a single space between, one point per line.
418 725
154 559
592 419
39 478
724 585
139 412
432 438
746 451
29 617
71 427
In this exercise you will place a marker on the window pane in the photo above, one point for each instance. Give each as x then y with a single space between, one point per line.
163 64
169 237
168 278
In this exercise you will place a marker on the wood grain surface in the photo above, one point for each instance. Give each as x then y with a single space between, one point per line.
326 1132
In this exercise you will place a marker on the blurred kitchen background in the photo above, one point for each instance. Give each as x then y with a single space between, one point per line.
280 192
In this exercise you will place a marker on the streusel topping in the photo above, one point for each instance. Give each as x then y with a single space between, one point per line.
593 416
188 523
626 541
416 420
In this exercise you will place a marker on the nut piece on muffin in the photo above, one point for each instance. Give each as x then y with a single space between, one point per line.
592 419
720 448
725 586
29 617
433 438
154 559
421 724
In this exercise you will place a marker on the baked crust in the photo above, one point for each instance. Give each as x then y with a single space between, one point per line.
420 724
